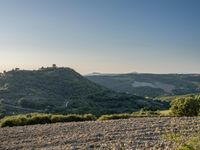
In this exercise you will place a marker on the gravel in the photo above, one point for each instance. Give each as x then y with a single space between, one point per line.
130 134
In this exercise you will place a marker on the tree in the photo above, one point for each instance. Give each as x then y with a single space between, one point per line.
187 106
54 66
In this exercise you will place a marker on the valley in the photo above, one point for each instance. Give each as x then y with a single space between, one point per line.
149 85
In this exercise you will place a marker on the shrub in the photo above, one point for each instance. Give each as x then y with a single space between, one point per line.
115 116
187 106
39 119
14 121
32 119
89 117
57 118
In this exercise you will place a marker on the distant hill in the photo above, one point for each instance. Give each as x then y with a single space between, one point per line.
171 98
62 90
150 85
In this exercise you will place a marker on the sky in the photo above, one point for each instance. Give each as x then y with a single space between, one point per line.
108 36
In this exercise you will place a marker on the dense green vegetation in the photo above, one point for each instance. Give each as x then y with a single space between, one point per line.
115 116
31 119
150 85
64 91
38 118
171 98
41 118
186 106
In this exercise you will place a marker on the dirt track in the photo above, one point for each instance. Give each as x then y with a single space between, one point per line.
137 133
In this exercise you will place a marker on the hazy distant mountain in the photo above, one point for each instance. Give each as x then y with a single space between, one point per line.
105 74
62 90
150 84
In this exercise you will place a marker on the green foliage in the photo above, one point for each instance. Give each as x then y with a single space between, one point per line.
181 141
115 116
171 98
187 106
187 147
72 117
173 137
192 144
48 90
88 117
31 119
38 118
132 115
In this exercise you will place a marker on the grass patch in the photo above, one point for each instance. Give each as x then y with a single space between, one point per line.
182 140
133 115
165 113
192 144
146 114
173 137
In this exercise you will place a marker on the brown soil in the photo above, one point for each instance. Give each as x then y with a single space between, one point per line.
136 133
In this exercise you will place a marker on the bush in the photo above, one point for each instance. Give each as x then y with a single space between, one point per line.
115 116
57 118
72 117
39 119
89 117
187 106
14 121
133 115
32 119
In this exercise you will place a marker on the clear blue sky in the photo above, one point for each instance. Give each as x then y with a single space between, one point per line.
158 36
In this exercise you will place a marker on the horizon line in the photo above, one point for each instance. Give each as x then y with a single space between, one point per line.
99 72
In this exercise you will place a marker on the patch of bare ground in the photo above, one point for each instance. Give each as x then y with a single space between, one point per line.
130 134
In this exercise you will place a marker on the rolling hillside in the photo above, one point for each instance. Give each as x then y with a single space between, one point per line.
62 90
150 85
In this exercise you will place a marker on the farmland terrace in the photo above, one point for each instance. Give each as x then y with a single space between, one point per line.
135 133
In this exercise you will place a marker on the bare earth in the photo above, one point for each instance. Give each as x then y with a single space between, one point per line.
136 133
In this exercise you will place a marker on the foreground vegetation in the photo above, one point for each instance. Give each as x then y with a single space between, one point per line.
32 119
192 144
37 118
186 106
182 141
133 115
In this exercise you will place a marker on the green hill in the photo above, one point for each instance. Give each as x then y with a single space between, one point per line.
150 85
62 90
